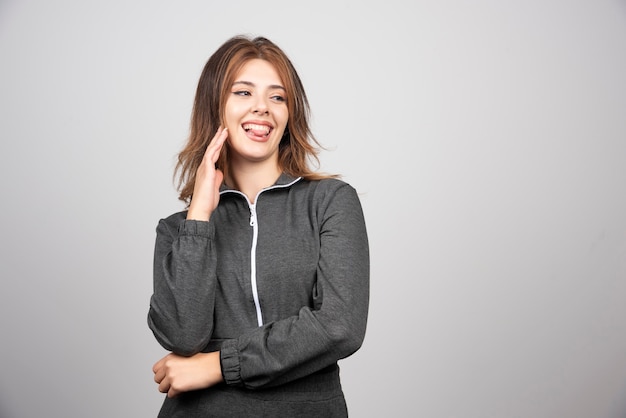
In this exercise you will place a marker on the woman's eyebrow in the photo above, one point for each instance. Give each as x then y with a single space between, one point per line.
251 84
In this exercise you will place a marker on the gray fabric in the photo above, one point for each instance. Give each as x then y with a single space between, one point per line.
312 277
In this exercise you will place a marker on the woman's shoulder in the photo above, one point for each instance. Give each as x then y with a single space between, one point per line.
173 221
330 185
176 216
329 191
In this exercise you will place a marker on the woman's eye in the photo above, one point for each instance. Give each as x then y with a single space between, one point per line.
242 93
278 98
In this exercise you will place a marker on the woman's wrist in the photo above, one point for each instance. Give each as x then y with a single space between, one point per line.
194 214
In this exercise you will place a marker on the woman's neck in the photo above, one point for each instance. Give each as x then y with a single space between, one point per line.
251 178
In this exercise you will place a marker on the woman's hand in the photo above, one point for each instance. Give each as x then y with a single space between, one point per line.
176 374
206 190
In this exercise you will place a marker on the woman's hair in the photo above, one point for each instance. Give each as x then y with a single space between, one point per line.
297 147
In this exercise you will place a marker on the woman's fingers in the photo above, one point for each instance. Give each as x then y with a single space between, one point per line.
208 179
159 369
158 365
159 375
176 374
212 152
164 386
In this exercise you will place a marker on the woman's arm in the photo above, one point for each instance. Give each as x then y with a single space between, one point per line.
183 299
181 307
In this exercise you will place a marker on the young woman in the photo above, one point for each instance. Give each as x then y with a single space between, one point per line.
262 284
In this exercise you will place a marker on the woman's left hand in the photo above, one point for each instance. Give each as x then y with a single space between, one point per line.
176 374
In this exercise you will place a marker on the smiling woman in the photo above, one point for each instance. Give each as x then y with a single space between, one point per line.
262 284
256 116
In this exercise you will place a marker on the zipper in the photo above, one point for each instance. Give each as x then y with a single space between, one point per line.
255 235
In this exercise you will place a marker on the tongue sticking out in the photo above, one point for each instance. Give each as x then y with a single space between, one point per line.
258 132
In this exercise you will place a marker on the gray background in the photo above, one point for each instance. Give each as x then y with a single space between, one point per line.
487 140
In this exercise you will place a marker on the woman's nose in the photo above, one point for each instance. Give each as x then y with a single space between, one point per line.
260 107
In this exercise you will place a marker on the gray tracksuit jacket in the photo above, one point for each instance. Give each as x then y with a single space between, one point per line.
280 287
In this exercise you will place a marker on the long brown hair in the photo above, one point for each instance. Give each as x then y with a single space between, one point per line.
298 147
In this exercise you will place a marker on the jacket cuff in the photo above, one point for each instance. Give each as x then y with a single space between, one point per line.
193 227
229 360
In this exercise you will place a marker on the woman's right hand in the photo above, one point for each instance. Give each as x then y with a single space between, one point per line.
206 190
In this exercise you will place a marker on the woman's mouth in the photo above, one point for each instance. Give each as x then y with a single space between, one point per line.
256 129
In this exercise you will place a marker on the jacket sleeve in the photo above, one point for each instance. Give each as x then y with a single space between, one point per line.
183 299
298 346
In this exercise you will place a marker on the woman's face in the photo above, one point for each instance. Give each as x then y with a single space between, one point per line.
256 113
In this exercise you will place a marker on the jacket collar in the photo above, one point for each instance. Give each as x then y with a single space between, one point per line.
283 180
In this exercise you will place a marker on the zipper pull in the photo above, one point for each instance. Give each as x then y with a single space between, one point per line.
252 215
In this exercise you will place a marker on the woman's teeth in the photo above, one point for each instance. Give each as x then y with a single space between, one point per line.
257 129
